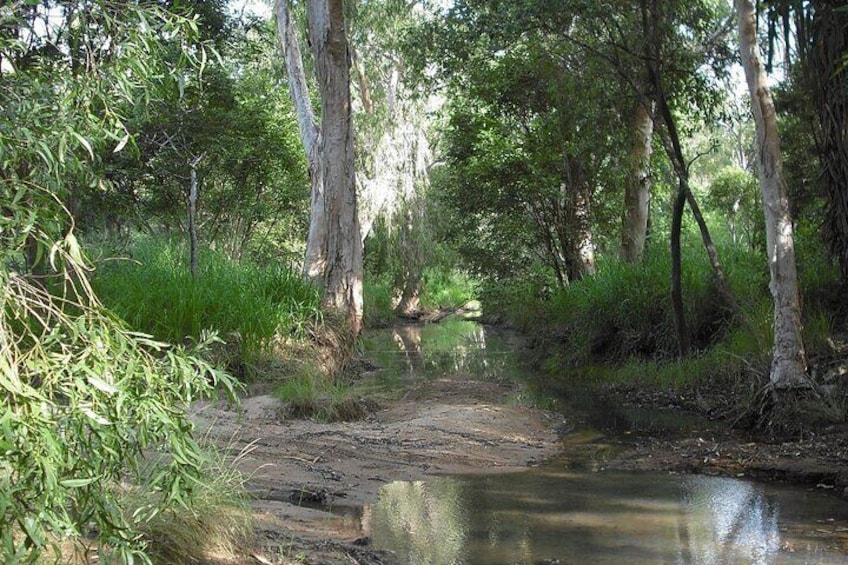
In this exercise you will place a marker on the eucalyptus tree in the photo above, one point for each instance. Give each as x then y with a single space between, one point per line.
84 401
395 127
815 48
334 245
668 63
789 363
237 127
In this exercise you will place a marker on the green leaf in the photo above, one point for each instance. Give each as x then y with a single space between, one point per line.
121 144
102 385
77 483
85 144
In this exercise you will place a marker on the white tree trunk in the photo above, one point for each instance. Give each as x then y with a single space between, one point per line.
582 253
789 360
343 273
637 187
315 260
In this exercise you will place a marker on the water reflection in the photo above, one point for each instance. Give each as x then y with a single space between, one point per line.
452 347
548 514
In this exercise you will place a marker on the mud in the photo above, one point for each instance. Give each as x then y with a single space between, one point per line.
307 479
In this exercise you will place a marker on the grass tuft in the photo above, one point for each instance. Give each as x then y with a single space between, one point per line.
217 525
311 394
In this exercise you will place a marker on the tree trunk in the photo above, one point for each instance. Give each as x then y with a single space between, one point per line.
315 260
343 273
789 365
637 187
581 250
411 246
192 220
683 340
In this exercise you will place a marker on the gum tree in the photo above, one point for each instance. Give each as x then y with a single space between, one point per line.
334 247
84 401
789 365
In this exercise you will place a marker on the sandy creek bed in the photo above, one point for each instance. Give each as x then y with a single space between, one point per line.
310 481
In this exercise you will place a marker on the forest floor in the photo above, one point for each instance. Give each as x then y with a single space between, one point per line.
312 483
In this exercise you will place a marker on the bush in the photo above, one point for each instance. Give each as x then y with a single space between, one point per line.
444 288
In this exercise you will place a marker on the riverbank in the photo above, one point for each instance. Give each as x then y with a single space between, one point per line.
815 459
309 481
313 484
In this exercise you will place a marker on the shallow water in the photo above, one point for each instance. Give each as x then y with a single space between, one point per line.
545 514
556 514
452 347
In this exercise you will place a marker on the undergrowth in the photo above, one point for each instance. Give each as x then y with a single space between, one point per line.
216 526
442 288
313 394
616 328
249 305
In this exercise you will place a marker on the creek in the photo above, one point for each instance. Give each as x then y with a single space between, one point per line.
568 510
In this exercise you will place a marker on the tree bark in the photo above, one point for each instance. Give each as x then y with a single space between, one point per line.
315 259
684 342
789 365
343 272
192 220
637 187
581 249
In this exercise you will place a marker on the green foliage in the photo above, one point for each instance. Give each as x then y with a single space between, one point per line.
623 312
245 302
218 522
378 296
735 194
84 399
445 288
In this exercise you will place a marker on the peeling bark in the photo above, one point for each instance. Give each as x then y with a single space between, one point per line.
789 365
343 273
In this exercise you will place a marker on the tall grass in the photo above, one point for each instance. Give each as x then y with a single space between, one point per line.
378 296
448 288
248 304
624 311
617 326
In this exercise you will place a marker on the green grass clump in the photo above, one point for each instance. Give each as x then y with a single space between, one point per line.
247 304
218 523
311 394
624 311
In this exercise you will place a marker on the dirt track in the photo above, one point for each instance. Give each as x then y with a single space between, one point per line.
298 468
